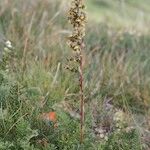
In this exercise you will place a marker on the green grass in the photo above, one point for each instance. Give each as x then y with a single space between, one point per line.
116 68
133 15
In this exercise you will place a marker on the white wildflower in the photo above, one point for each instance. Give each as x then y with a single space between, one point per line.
106 138
102 136
6 49
7 70
8 44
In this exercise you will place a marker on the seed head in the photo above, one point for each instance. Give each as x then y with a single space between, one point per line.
77 17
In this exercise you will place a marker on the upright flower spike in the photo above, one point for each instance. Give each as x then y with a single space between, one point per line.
77 18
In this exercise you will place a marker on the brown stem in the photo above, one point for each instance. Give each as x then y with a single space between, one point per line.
81 100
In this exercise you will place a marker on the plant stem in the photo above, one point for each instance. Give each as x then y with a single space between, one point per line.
81 99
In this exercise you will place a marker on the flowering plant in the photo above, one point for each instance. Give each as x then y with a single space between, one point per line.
77 18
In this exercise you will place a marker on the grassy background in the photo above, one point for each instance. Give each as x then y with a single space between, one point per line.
125 13
33 80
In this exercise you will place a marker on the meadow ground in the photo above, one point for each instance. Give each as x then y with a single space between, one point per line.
33 80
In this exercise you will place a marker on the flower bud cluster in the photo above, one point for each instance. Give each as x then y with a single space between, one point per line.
77 18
